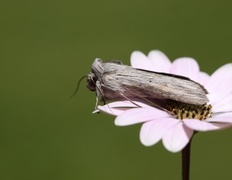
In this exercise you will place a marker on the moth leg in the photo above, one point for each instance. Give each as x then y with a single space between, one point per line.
96 102
144 100
99 92
129 100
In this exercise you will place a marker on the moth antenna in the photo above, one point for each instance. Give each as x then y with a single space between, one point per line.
78 84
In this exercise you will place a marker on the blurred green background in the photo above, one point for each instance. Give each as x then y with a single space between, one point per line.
46 46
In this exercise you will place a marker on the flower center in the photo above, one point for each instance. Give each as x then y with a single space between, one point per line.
188 111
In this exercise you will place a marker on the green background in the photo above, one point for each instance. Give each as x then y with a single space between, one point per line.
47 45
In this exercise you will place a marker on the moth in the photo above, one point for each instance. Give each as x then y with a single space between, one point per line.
114 81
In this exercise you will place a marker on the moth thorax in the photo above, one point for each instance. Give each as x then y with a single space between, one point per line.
188 111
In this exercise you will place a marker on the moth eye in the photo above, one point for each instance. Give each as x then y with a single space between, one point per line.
98 60
91 85
91 82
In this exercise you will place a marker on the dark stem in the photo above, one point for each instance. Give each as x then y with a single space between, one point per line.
186 161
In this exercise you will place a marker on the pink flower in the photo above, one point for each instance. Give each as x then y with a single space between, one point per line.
159 125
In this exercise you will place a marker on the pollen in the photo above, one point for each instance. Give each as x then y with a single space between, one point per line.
188 111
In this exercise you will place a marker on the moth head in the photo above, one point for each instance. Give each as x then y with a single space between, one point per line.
91 81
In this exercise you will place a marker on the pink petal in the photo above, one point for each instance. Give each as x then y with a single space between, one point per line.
177 137
220 80
203 78
160 61
215 97
152 131
203 125
138 115
224 105
126 104
187 67
111 111
118 107
140 61
221 118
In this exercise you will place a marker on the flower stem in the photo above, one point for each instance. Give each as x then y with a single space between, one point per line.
186 161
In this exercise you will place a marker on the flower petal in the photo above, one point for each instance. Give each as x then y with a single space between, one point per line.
224 105
203 78
221 118
220 80
160 61
152 131
138 115
118 107
112 111
187 67
214 97
140 61
177 137
203 125
126 104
